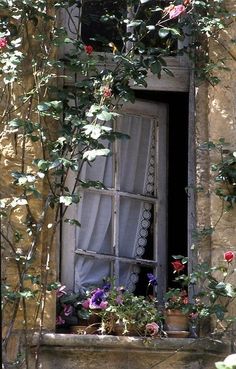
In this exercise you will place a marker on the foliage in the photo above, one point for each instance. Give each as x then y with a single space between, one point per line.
228 363
213 292
116 306
224 171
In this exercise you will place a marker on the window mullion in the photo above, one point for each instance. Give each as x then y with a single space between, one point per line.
116 206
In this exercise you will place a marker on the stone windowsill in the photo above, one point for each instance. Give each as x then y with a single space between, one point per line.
134 344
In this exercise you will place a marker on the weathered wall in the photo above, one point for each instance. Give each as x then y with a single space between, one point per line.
215 119
17 154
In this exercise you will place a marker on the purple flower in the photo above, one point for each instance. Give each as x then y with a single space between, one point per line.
67 310
97 297
59 320
107 287
152 280
102 305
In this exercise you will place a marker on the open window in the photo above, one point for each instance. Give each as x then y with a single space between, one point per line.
123 226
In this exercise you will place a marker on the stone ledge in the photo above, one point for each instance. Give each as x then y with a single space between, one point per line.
117 343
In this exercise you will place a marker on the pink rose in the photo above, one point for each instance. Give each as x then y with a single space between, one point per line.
3 42
152 328
176 11
228 256
107 91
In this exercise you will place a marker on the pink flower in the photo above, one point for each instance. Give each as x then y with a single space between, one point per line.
178 266
152 328
59 320
228 256
86 304
67 310
176 11
193 316
107 91
119 300
3 42
103 305
60 291
88 49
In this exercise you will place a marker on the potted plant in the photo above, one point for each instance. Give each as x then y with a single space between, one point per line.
212 293
123 313
72 315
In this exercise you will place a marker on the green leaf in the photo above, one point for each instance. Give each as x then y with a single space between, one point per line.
163 32
221 365
92 154
105 115
66 200
155 67
73 222
135 23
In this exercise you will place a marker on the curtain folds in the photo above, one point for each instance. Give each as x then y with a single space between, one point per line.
96 211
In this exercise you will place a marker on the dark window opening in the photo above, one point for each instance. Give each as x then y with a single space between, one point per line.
177 173
102 24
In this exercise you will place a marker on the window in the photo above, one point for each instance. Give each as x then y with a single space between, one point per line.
123 227
102 22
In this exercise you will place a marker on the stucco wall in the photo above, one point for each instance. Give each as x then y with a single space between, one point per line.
215 119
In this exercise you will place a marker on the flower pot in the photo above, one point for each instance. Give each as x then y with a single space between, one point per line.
176 321
83 329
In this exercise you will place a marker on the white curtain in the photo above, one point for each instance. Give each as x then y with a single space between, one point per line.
95 210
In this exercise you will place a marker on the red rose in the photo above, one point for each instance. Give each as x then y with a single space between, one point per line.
3 42
88 49
228 256
176 11
178 266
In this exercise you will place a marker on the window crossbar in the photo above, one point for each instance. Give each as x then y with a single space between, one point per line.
123 259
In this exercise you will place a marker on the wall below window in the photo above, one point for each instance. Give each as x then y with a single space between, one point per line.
68 351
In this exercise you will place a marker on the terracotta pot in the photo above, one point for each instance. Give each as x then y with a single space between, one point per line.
118 330
176 321
83 329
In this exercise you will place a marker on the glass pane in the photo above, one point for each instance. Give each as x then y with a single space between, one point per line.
136 228
135 279
94 214
100 169
137 155
152 38
100 23
90 272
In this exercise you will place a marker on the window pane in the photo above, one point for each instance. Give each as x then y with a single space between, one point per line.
137 155
134 278
94 214
90 272
99 170
136 228
100 23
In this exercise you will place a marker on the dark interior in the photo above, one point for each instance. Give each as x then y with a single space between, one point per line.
177 174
